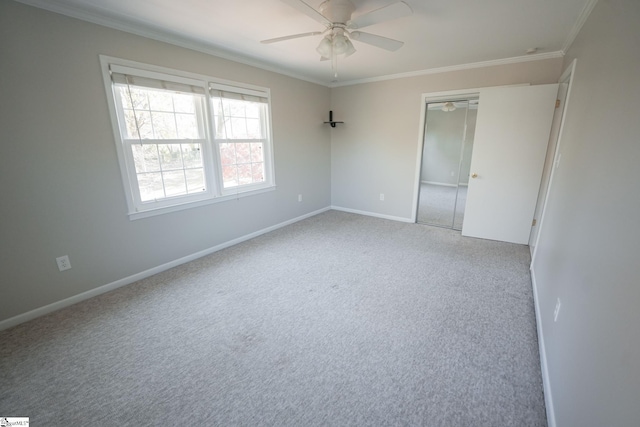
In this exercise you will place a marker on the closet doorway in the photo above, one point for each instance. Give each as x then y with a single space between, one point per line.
446 162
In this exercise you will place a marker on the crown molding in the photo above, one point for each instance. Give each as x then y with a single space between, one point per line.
162 36
582 18
148 31
461 67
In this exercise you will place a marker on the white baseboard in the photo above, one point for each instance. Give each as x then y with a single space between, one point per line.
548 399
41 311
374 214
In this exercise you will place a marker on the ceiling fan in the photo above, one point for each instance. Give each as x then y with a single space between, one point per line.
336 16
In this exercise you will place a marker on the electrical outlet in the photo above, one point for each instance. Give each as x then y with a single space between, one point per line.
299 197
63 263
382 197
557 310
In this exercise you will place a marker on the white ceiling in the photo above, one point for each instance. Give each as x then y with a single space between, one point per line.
440 34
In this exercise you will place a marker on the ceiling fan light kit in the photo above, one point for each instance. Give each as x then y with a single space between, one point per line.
336 16
448 107
337 44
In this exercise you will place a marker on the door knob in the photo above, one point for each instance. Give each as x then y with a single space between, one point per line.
474 175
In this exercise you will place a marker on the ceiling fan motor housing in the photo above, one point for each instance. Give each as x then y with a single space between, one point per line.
337 11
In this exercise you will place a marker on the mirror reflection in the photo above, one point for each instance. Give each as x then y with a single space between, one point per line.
446 162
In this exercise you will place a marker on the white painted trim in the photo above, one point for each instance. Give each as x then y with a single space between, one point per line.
215 193
461 94
567 75
190 205
461 67
448 95
144 29
582 18
373 214
41 311
421 134
546 382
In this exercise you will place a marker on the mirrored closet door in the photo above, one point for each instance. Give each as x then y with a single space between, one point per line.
446 162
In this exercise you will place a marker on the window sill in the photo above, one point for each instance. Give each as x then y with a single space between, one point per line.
167 209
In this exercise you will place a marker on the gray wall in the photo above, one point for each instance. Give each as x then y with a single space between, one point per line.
62 192
589 243
376 150
61 186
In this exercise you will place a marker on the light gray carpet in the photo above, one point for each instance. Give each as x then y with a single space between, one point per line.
337 320
437 204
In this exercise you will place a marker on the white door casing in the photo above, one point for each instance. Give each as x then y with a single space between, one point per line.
512 133
566 83
546 171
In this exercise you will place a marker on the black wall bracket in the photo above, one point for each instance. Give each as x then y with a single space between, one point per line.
331 122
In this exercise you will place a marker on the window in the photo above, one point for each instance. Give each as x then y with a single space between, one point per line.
186 139
241 136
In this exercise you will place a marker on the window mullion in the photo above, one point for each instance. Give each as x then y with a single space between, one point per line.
267 153
157 178
165 141
214 174
131 173
164 189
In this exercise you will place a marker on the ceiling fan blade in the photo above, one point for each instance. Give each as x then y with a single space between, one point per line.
377 41
307 10
385 13
295 36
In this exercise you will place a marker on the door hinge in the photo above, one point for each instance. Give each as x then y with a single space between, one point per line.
533 223
557 103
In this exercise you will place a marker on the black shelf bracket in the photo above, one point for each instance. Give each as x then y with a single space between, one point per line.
331 122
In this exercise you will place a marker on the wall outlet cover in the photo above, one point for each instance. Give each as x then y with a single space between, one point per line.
63 263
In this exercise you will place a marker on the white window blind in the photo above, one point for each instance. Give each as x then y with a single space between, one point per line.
184 139
240 132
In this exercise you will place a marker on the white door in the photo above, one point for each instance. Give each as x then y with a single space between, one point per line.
512 133
546 171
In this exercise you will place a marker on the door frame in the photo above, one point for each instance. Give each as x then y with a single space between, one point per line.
567 77
433 97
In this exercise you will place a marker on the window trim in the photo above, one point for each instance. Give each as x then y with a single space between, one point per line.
213 172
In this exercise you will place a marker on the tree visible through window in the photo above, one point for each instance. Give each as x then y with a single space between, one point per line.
240 136
185 137
166 140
